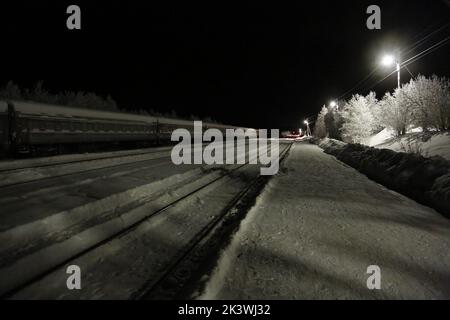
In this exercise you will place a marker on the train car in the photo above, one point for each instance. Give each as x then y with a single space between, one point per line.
4 128
35 125
249 132
26 127
167 125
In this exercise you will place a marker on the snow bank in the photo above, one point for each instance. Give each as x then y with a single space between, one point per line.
426 180
381 137
427 144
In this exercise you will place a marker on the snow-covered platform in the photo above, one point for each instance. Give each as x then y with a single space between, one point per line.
316 229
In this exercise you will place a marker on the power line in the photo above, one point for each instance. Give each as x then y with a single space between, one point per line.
359 83
421 41
439 44
410 47
422 54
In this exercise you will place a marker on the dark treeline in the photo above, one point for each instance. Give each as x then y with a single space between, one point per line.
80 99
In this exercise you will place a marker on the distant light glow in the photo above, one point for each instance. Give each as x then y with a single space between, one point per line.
333 104
306 122
388 60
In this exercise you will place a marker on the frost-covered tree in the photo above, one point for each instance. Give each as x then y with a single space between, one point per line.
358 119
68 98
333 123
416 94
392 112
428 101
10 91
422 102
320 129
441 106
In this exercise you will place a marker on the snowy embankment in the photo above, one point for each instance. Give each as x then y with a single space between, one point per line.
427 144
426 180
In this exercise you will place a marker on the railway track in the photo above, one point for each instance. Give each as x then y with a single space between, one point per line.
25 197
50 162
185 270
18 175
34 273
22 176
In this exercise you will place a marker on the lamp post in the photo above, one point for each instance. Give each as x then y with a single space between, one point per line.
308 131
389 60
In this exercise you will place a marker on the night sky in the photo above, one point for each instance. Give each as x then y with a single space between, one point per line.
260 64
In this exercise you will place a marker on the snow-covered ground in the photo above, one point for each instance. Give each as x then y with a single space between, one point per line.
426 144
120 268
76 203
316 229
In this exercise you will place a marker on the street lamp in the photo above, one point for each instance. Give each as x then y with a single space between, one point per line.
333 104
308 131
389 60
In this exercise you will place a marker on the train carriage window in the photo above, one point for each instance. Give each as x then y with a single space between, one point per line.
40 124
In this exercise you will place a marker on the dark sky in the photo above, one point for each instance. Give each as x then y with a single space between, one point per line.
257 63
